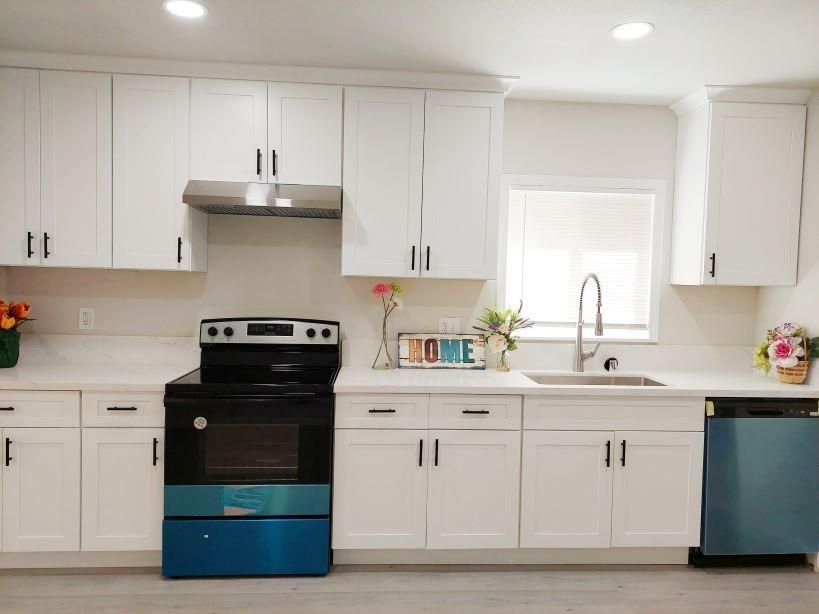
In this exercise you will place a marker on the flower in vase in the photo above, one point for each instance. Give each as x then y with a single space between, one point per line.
19 311
381 289
396 287
497 343
785 351
399 304
7 322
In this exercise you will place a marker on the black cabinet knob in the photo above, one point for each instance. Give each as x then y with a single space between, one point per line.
228 331
325 333
311 332
212 330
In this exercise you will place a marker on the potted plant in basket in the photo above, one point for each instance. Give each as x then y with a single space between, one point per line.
788 348
12 316
499 328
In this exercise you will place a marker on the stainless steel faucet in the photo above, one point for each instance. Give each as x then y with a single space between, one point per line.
580 357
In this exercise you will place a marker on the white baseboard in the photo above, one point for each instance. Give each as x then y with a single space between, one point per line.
522 556
57 560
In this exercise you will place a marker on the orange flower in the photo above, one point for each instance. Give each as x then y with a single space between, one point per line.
6 322
19 310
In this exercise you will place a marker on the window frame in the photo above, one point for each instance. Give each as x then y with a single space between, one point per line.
592 184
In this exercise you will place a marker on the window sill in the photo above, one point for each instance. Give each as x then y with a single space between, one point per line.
567 335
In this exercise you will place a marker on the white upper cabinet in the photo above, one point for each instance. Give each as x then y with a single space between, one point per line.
228 130
19 166
304 133
657 489
739 176
382 179
75 113
462 166
153 229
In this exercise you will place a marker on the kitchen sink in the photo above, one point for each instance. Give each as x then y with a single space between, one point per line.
582 379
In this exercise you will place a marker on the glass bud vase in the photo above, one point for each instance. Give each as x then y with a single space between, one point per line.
383 359
503 361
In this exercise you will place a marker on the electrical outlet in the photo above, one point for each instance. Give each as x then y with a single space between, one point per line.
448 326
86 318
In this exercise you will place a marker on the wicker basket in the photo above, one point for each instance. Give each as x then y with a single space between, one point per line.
798 373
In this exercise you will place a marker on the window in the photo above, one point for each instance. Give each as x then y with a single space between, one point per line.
558 230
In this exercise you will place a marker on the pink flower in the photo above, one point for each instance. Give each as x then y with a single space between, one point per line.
381 289
785 351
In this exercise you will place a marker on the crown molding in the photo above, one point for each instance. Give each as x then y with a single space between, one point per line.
734 93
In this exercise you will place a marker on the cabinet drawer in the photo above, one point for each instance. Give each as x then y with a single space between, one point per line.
377 411
123 409
609 414
488 412
32 408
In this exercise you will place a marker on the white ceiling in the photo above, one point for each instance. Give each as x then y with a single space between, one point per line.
561 49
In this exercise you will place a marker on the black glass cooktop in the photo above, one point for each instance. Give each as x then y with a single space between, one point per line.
256 380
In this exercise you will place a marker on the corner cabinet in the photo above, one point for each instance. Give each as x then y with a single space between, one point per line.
409 156
739 175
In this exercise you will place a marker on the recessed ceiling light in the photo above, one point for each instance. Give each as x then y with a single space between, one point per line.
185 8
632 29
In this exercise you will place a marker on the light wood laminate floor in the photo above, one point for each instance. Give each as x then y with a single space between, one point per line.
370 590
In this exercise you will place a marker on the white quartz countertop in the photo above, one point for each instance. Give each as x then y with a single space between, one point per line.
744 383
80 362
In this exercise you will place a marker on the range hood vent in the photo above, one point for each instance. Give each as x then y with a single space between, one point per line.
286 200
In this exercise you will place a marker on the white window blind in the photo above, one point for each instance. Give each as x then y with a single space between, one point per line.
557 237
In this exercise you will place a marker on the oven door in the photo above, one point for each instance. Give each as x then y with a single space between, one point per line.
248 456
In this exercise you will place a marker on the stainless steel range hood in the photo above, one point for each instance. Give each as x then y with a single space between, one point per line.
238 198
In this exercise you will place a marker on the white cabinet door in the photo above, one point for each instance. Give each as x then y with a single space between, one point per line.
462 166
228 130
304 133
754 193
151 169
474 489
75 132
566 487
41 489
657 489
19 166
380 489
122 488
382 178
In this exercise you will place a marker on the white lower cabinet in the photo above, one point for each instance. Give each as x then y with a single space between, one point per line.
566 489
122 475
41 489
380 488
657 489
474 489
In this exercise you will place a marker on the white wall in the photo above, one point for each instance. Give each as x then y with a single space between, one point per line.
800 303
290 267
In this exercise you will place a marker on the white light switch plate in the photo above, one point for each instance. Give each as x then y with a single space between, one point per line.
448 326
86 318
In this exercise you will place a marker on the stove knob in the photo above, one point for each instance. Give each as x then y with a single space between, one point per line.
311 332
326 333
228 331
212 331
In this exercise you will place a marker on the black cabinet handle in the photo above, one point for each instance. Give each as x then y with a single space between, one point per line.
608 454
382 411
179 249
475 411
713 260
122 409
623 457
436 452
30 239
413 258
420 452
259 162
45 245
427 257
156 443
273 160
8 451
6 408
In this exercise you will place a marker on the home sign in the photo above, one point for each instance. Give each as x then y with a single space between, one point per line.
434 351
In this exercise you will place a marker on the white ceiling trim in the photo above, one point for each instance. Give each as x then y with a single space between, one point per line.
732 93
257 72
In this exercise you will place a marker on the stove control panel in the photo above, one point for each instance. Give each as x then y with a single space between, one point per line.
268 331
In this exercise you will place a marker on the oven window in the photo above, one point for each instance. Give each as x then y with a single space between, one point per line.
252 453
